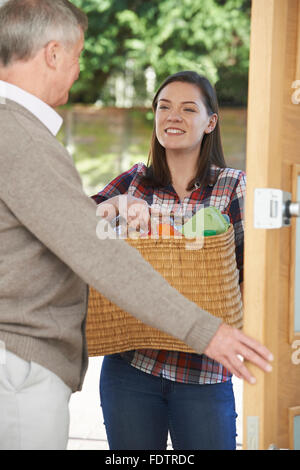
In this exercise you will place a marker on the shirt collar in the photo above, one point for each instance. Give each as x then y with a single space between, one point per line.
50 118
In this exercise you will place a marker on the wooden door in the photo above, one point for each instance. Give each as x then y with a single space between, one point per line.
273 157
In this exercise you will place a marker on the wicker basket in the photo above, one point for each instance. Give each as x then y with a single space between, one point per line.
206 276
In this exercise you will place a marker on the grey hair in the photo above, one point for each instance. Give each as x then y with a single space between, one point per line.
26 26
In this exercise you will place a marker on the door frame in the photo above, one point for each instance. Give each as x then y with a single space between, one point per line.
271 75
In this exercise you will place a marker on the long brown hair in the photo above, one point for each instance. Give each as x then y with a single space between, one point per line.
211 151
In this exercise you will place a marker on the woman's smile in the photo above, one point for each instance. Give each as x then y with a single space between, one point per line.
174 131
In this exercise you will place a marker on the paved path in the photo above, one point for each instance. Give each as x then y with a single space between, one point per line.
87 430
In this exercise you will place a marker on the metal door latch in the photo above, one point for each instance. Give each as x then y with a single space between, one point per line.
273 208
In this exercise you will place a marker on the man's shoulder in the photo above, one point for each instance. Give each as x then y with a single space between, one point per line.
20 129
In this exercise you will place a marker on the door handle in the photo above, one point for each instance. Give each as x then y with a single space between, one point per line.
292 209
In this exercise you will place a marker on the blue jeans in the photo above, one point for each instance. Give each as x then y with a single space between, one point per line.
140 409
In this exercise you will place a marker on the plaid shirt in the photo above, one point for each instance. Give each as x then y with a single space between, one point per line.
227 194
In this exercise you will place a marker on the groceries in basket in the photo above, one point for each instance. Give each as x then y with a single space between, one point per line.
207 221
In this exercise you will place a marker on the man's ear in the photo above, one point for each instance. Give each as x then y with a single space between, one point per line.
52 50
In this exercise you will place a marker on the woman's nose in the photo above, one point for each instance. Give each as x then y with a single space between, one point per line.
174 116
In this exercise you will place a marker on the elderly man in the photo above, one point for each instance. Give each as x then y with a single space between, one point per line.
49 251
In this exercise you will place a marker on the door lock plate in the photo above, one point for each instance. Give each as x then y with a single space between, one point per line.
272 208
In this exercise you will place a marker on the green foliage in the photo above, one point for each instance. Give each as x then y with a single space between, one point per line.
128 36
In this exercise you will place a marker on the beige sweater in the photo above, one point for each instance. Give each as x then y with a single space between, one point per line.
49 252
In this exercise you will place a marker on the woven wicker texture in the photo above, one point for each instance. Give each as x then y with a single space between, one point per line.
207 276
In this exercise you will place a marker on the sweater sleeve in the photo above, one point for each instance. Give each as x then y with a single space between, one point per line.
42 188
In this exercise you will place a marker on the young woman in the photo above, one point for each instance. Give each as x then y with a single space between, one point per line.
147 394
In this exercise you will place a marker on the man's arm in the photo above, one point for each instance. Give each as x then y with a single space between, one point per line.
41 187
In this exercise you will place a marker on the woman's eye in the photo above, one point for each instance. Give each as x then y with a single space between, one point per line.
163 107
190 110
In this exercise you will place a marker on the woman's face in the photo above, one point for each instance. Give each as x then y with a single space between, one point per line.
181 117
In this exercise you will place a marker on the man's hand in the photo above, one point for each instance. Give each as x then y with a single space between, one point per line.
136 212
138 216
228 343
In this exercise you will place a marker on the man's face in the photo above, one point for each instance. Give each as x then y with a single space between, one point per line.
68 71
